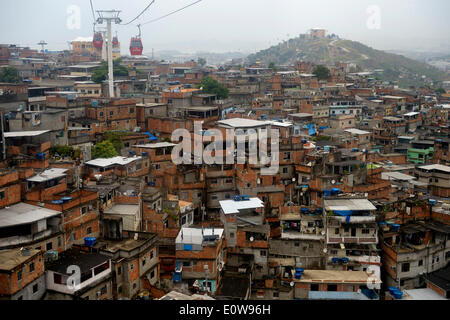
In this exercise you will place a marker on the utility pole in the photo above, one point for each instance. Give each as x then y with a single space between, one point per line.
109 16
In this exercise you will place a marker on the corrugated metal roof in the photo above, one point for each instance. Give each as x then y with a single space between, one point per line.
23 213
112 161
48 175
24 134
231 206
349 204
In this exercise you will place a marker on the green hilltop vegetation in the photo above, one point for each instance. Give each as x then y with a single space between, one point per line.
329 51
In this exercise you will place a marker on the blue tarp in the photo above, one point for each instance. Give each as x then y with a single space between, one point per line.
152 137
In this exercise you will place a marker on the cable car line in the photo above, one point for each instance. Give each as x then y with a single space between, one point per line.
143 11
169 14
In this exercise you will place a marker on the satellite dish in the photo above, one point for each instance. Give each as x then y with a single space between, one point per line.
292 283
333 181
325 250
252 239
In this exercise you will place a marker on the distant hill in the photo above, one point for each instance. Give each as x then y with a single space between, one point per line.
329 51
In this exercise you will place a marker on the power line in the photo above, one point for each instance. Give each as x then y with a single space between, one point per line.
169 14
93 11
143 11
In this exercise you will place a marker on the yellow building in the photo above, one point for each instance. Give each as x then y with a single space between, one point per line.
85 46
88 89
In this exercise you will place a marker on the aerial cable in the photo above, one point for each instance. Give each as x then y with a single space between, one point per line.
169 14
143 11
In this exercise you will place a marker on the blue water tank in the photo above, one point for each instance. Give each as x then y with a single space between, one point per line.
432 202
335 260
344 260
94 103
326 148
398 295
89 241
66 199
335 190
145 154
395 227
305 210
245 198
40 156
57 202
319 211
327 193
237 198
132 153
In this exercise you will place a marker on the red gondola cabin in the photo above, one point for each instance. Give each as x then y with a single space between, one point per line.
136 47
98 40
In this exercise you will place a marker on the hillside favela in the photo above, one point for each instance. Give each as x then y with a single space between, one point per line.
205 150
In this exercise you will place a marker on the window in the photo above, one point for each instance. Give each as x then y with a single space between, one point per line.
119 289
2 195
263 253
285 170
276 294
89 230
101 115
151 255
143 261
297 244
59 242
111 113
49 246
119 270
336 231
131 110
31 267
332 287
35 288
231 234
314 287
420 263
19 275
103 290
132 266
152 274
405 267
365 231
84 210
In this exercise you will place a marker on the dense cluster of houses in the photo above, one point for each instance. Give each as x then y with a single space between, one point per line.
358 208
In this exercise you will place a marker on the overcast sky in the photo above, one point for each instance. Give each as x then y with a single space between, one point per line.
236 25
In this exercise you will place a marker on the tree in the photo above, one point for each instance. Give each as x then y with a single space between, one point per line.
100 74
211 85
115 138
9 75
272 66
104 150
441 91
201 61
322 72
